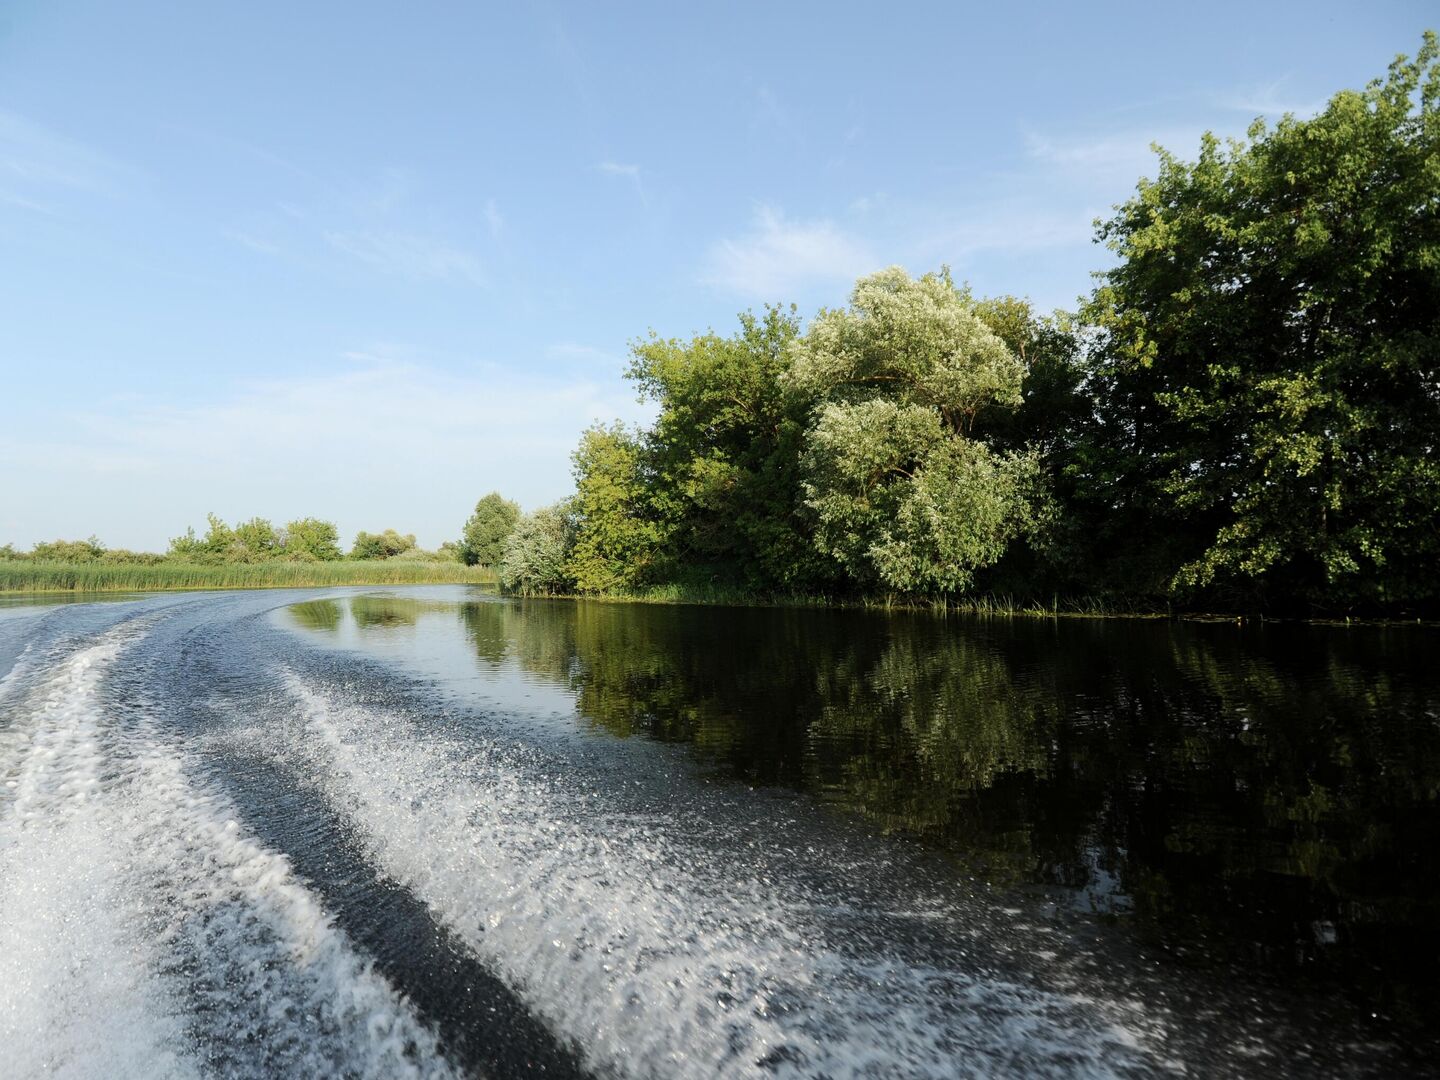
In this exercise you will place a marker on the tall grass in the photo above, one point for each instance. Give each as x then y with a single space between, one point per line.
998 606
29 576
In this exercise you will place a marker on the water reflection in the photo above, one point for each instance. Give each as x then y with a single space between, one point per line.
317 614
1263 796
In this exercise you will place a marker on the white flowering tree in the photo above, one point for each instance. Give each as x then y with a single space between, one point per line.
901 491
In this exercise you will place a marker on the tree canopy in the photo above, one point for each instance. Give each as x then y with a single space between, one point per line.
1267 375
485 533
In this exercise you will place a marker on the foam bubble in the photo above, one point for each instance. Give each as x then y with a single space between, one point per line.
143 933
653 957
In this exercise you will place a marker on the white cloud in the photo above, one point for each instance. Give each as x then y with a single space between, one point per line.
1009 229
614 168
1271 101
572 352
409 255
493 218
633 173
1113 161
35 161
778 257
386 444
254 243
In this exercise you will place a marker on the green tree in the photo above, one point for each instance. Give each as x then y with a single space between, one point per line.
255 541
619 535
214 546
537 552
69 551
311 538
725 453
902 492
483 540
1268 375
384 545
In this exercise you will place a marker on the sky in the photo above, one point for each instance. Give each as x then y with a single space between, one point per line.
368 262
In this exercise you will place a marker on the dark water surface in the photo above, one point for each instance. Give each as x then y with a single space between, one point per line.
427 831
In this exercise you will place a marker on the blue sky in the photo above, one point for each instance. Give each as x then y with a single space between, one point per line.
369 261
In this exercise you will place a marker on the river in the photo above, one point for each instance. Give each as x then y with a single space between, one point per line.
435 832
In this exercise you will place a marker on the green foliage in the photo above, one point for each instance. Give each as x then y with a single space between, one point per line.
914 341
538 552
384 545
487 530
902 493
312 539
69 551
1269 373
166 573
724 454
619 535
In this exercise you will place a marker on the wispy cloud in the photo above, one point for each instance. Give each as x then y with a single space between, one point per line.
573 353
632 173
420 258
777 257
1110 159
1009 228
614 168
493 218
37 163
1270 100
254 243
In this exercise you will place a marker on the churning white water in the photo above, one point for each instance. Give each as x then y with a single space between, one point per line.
657 959
142 932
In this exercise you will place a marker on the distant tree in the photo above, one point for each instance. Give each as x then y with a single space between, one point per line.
538 552
311 538
8 552
384 545
483 540
214 546
69 551
1268 375
903 492
255 541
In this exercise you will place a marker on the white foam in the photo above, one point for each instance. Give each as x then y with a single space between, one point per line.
652 958
144 934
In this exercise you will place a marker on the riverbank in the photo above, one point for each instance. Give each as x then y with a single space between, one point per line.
29 576
987 604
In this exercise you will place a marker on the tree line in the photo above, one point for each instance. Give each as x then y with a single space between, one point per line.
1245 412
255 540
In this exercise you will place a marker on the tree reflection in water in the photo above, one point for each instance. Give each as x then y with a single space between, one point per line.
1265 796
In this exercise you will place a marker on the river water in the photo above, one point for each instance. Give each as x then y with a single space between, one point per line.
435 832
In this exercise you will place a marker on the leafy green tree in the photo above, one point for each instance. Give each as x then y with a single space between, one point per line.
483 540
384 545
69 551
538 551
1268 376
255 541
725 453
902 492
619 535
311 538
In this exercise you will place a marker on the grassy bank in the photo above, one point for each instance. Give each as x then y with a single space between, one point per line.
28 576
987 604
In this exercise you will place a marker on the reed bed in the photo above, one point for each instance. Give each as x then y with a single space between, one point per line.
27 576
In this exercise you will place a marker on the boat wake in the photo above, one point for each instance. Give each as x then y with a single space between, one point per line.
142 932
